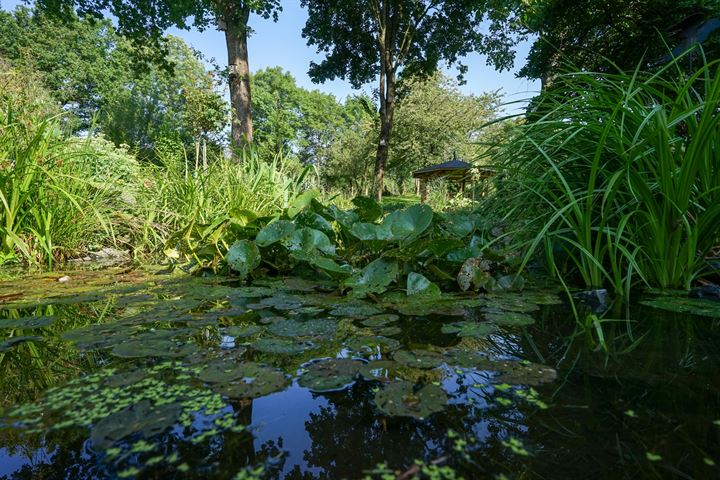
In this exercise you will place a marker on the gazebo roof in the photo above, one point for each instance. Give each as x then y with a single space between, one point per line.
452 166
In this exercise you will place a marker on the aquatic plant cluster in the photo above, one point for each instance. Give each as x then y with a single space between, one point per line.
172 354
363 249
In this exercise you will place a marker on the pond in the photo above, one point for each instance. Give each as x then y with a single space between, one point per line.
148 374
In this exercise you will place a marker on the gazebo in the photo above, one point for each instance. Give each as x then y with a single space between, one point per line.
455 170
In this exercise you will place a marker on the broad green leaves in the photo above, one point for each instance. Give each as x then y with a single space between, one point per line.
374 278
417 285
274 232
243 257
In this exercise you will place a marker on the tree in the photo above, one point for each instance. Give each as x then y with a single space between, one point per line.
87 68
595 34
434 121
146 20
386 39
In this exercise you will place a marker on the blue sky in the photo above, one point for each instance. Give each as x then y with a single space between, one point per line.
281 44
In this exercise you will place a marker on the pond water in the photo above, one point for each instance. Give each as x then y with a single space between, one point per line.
142 374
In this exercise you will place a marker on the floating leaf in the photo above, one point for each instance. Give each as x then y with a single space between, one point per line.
308 328
26 322
424 359
243 331
380 320
331 374
693 306
356 310
469 329
151 348
255 381
509 318
281 346
243 257
401 399
142 418
372 345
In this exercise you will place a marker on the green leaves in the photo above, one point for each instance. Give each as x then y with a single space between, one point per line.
401 225
374 278
274 232
243 257
418 285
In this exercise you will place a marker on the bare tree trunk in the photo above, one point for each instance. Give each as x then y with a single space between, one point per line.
234 20
387 112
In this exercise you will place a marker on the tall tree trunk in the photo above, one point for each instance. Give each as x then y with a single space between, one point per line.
387 113
235 21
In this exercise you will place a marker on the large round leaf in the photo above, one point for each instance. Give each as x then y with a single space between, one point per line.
409 223
374 278
418 285
274 232
243 257
330 374
401 399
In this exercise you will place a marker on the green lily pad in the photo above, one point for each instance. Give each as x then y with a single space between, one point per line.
379 369
26 322
469 329
332 374
402 399
283 302
525 373
142 418
356 310
467 359
409 223
374 278
126 379
389 331
371 345
509 318
308 328
152 348
693 306
255 380
424 359
243 257
511 302
309 241
281 346
243 331
382 320
223 371
11 342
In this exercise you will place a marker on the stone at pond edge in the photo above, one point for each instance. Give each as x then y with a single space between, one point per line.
595 300
401 399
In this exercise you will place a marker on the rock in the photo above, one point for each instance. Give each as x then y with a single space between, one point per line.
64 279
595 300
706 292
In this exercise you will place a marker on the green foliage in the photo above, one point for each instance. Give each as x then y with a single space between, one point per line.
619 177
594 35
366 257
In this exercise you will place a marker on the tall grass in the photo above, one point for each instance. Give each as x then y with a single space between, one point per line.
617 176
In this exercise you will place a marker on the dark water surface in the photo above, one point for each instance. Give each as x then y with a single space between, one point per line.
134 374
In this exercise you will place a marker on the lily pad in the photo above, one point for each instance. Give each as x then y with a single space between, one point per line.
243 331
512 302
281 346
509 318
308 328
152 348
424 359
142 418
469 329
379 369
255 381
356 310
332 374
693 306
283 302
223 371
372 345
382 320
11 342
467 359
402 399
525 373
26 322
389 331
